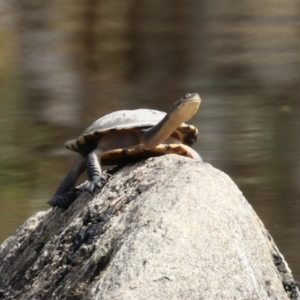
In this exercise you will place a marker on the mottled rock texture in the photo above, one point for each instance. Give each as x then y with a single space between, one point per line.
165 228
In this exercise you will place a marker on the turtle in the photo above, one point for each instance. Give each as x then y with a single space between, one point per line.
128 135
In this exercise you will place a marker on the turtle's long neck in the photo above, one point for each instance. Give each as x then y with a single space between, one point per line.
160 132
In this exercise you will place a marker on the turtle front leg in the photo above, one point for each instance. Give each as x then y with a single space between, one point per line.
96 178
66 193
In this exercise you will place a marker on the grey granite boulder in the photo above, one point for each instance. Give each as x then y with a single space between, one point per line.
165 228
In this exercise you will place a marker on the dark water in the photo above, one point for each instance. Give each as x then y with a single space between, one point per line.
242 59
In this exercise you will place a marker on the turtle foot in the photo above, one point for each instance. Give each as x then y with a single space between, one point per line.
64 200
97 183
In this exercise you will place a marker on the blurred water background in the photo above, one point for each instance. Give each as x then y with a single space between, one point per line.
64 64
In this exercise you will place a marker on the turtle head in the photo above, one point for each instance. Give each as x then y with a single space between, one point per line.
186 107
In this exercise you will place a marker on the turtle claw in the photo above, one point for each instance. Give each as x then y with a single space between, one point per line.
64 200
90 187
97 183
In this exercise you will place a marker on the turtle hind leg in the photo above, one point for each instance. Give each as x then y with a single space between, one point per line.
66 193
64 200
96 179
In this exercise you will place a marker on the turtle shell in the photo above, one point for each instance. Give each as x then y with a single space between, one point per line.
137 119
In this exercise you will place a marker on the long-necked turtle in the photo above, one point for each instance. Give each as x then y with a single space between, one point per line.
126 134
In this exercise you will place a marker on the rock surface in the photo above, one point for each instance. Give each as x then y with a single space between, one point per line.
165 228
